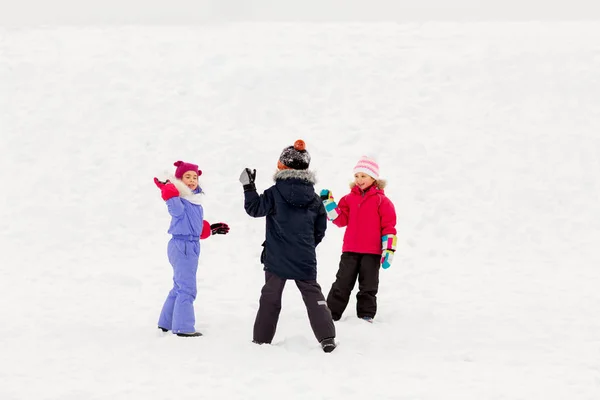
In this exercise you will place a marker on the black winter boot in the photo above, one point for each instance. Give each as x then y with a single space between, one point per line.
193 334
328 345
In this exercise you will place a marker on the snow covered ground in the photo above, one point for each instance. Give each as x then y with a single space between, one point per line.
488 134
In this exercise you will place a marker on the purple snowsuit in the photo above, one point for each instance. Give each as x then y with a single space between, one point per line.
183 251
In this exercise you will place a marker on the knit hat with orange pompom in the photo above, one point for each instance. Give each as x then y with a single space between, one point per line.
294 157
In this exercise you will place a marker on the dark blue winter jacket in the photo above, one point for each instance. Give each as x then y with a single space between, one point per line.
296 224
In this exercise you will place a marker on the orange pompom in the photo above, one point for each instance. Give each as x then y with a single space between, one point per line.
299 145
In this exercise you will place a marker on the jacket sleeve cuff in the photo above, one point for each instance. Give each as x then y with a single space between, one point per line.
205 230
249 187
388 242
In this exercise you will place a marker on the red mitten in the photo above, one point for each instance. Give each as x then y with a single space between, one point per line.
160 184
167 189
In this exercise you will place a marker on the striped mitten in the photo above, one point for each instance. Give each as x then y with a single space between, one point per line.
388 247
330 205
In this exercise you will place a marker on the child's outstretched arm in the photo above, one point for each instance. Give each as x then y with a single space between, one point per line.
170 195
255 205
337 214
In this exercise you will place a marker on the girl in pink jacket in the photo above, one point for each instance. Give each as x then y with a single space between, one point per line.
369 241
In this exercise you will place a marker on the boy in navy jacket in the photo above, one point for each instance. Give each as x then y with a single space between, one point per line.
295 224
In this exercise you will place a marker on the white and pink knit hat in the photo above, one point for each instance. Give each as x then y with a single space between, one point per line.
368 166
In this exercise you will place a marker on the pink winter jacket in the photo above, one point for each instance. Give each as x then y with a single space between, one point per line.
368 216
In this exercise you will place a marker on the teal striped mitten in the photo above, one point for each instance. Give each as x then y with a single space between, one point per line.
331 206
388 248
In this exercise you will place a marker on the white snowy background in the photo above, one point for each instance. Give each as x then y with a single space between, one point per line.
488 134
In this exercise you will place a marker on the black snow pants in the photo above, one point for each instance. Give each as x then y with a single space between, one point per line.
270 307
365 267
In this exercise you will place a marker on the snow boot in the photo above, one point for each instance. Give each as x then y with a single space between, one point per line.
192 334
328 345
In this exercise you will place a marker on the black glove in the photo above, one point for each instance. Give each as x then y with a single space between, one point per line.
220 228
247 178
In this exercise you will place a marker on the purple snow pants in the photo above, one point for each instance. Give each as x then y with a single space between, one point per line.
178 311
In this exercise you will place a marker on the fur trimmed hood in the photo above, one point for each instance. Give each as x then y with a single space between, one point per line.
379 183
304 174
297 187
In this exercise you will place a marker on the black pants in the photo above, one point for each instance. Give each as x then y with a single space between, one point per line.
365 267
270 307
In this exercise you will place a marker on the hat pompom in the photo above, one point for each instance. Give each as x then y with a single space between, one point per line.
294 157
299 145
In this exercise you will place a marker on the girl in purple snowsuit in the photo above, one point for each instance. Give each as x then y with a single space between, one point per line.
182 196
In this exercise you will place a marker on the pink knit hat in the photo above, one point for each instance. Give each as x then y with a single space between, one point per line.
183 167
368 166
